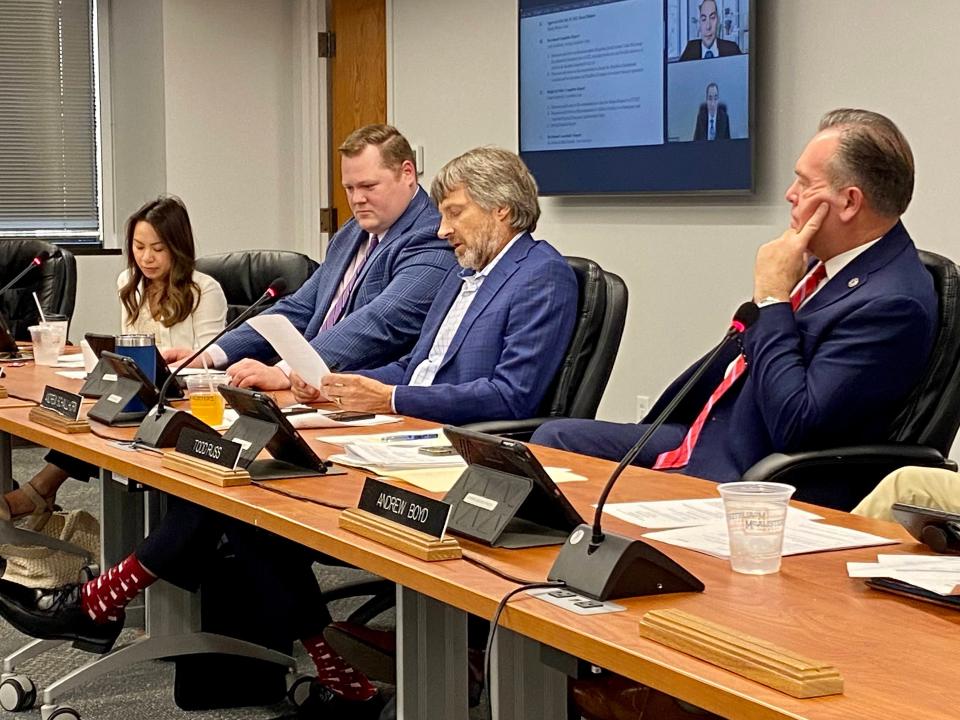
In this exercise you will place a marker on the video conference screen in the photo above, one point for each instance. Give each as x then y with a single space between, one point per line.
635 96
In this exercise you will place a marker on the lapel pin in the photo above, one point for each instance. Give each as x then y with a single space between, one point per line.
853 282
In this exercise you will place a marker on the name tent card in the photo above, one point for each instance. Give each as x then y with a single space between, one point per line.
213 449
63 403
406 521
60 410
414 511
207 456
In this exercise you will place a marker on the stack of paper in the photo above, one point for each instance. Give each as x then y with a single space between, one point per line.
935 573
700 525
392 457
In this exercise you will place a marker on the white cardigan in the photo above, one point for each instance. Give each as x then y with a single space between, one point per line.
208 317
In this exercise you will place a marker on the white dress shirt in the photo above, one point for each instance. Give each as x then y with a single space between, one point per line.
427 370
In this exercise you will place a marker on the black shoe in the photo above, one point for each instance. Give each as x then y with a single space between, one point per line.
325 703
56 615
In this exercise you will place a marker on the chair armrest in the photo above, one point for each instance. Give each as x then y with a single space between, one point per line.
841 477
513 429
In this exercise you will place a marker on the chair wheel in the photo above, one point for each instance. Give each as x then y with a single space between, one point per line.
60 712
17 693
299 690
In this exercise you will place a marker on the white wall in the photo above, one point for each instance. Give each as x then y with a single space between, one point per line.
202 106
688 262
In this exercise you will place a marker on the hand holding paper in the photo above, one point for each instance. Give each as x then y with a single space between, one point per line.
291 346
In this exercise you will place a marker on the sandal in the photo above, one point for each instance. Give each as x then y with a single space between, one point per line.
42 507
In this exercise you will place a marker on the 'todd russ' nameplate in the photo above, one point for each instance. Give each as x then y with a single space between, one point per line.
213 449
405 508
63 403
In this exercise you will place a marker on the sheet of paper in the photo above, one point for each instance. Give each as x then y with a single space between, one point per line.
936 573
72 360
799 538
663 514
290 345
73 374
440 480
89 356
319 419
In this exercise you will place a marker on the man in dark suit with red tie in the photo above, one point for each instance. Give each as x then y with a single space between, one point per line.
847 319
709 45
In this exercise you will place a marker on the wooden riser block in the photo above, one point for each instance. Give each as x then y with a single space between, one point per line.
56 422
742 654
3 392
406 540
203 470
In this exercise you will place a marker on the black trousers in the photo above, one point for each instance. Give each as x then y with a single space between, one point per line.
190 538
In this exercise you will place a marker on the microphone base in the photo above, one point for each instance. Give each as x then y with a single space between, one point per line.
618 567
160 431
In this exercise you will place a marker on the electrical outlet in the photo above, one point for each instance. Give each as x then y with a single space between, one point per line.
643 406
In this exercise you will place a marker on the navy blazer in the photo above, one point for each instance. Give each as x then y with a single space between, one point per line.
694 49
389 302
835 373
508 347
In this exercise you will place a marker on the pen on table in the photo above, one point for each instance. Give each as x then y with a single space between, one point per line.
404 438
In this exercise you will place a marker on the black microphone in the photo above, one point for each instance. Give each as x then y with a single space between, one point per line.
613 566
160 428
39 260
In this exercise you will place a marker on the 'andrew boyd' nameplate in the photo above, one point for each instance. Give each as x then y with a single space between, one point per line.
204 446
404 507
63 403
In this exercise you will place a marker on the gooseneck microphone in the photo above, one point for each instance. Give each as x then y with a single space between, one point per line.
613 566
37 261
161 428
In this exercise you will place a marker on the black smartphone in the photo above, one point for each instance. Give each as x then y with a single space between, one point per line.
288 411
350 415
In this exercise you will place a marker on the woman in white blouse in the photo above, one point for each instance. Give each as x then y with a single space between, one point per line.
160 294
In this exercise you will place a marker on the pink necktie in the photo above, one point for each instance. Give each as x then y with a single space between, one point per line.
334 315
680 456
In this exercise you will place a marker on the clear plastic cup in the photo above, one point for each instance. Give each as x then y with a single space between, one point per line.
49 340
756 515
206 402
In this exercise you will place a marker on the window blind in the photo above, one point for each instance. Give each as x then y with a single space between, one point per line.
48 133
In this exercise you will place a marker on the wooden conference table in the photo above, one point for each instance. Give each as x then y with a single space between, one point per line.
893 653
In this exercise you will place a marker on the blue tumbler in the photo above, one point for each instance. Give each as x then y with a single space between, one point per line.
143 350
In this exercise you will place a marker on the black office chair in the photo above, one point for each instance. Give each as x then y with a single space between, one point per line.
922 433
55 284
245 275
579 383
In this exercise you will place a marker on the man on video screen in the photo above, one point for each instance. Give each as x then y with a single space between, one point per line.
713 123
709 45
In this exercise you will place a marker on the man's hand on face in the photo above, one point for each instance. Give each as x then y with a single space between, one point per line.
254 374
782 262
355 392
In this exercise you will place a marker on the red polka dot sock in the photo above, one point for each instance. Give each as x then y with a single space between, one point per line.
105 597
336 673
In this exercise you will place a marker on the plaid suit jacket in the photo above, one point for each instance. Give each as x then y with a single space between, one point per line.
388 305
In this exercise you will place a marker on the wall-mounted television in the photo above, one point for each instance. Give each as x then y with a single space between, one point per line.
637 96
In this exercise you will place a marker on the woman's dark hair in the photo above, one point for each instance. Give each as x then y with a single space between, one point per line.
178 298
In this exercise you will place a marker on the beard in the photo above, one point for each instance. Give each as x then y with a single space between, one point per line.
482 248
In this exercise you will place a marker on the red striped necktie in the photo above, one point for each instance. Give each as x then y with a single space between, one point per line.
680 456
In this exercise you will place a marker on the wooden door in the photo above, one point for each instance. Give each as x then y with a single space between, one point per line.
358 78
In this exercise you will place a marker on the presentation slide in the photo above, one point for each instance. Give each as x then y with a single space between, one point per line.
592 76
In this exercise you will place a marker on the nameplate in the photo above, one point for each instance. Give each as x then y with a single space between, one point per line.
405 508
63 403
216 450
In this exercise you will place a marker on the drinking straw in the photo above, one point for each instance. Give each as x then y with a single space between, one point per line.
43 318
206 373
